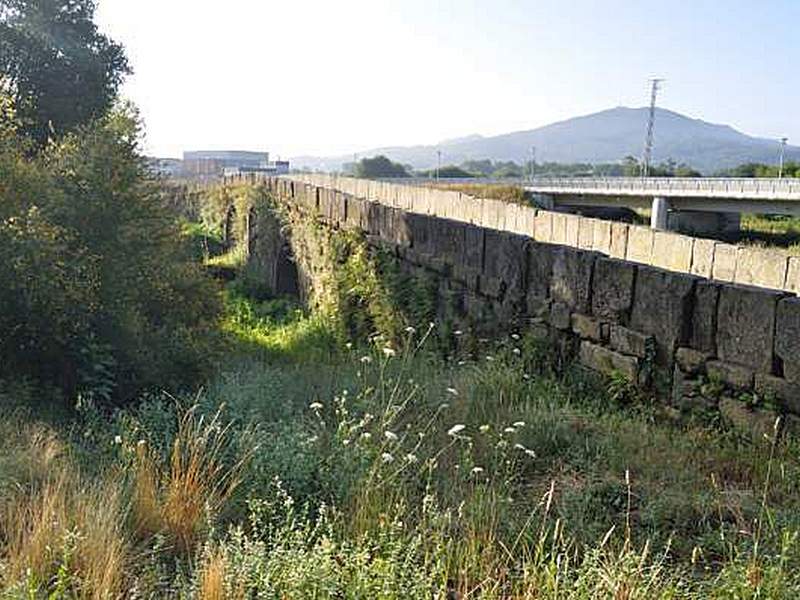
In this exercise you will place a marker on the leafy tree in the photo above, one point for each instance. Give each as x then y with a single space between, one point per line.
379 167
98 294
448 172
60 70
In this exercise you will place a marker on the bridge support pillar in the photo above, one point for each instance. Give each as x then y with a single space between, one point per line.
659 216
697 222
545 201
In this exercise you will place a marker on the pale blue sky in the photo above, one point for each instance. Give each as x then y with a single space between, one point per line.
316 77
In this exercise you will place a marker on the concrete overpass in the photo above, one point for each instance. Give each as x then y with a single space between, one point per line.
691 204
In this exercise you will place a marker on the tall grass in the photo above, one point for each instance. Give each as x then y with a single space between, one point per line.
387 472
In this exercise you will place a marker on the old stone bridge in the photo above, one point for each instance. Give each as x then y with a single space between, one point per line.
623 299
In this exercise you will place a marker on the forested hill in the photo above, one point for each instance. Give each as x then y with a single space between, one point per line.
601 137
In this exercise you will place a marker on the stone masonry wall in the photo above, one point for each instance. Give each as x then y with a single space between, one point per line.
697 340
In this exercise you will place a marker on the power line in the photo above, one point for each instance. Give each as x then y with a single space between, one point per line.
655 84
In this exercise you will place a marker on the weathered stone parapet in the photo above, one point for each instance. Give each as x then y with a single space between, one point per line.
669 303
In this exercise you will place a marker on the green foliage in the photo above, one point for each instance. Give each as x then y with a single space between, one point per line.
60 70
379 167
96 284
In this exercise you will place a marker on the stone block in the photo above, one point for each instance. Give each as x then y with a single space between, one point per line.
612 289
724 262
601 236
587 327
629 341
792 283
421 228
746 326
704 317
787 338
734 376
448 242
608 362
543 226
559 228
703 258
585 233
573 228
560 316
786 392
540 269
619 240
538 307
683 388
762 267
572 277
672 251
504 265
690 360
640 245
662 308
539 330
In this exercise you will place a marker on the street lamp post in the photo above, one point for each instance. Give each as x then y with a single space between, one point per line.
532 171
438 163
783 153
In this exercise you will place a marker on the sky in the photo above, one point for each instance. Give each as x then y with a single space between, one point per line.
314 77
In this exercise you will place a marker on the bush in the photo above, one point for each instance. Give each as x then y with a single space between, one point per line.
98 292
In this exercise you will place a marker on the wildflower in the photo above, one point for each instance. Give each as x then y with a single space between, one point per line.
349 345
530 453
315 406
490 358
410 330
411 458
477 470
452 391
366 360
456 429
461 363
517 351
519 447
458 332
387 458
509 430
366 436
117 439
389 352
390 435
514 336
484 429
525 376
444 406
519 424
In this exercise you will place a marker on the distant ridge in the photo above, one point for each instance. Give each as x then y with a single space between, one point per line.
606 136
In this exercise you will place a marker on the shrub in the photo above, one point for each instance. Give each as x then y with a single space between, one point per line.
98 291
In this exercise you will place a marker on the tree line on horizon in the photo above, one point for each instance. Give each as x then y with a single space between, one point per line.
381 167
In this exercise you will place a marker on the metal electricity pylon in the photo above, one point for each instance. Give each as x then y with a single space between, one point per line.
655 84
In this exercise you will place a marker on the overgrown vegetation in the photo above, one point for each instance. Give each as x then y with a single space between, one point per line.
349 452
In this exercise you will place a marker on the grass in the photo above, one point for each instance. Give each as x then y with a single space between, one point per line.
309 468
494 191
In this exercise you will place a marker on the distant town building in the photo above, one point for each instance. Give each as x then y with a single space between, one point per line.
212 163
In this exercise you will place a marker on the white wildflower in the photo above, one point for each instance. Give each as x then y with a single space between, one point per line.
477 470
530 453
452 391
458 332
117 439
517 351
366 359
387 458
389 352
484 429
315 406
366 436
349 345
509 430
390 435
514 336
490 358
411 458
519 424
410 329
456 429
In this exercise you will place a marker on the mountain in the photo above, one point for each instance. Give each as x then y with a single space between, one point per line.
606 136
